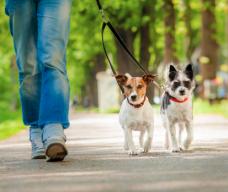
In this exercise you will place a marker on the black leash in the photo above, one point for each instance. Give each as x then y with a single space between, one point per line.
107 23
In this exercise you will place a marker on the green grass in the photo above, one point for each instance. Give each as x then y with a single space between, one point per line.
204 107
9 128
10 122
81 109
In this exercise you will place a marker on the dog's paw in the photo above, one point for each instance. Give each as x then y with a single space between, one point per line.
176 150
186 146
146 148
182 149
147 145
167 146
133 152
140 150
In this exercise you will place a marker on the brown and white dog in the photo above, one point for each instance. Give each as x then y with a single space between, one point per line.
136 112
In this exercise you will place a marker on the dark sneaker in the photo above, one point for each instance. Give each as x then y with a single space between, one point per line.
54 142
55 151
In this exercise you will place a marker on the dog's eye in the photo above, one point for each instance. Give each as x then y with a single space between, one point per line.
139 86
187 84
176 84
129 86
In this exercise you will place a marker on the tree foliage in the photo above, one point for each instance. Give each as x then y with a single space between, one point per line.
140 20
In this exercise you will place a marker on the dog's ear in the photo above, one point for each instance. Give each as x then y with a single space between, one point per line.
121 79
148 78
189 71
172 72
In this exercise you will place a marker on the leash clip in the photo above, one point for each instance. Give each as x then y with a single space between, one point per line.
103 16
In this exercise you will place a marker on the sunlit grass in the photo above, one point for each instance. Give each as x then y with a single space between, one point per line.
204 107
9 128
10 121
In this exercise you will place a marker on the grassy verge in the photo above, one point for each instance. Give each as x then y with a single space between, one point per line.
10 122
204 107
9 128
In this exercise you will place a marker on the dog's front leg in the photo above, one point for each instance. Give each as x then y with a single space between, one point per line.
189 130
126 140
167 140
131 145
181 128
141 139
172 130
167 134
147 145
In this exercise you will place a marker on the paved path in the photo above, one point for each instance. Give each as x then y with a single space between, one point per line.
97 162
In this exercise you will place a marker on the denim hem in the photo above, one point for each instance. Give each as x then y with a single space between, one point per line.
64 124
32 124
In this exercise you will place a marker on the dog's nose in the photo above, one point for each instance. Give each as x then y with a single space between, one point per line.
182 92
133 97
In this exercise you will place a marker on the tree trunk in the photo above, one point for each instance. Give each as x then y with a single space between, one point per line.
145 43
209 47
154 36
169 21
92 90
124 62
190 32
144 54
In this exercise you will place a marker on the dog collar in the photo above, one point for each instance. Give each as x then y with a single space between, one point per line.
137 105
177 100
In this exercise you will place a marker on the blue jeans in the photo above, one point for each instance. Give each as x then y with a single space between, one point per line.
40 30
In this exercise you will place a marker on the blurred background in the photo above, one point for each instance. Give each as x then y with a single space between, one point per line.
157 32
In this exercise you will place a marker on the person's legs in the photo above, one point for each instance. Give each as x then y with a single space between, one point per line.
24 30
23 26
53 29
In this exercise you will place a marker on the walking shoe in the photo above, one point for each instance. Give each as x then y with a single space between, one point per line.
54 142
35 137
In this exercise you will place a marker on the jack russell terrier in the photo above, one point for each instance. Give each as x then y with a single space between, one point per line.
176 107
136 112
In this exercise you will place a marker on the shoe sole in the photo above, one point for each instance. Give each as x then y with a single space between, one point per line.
56 152
39 157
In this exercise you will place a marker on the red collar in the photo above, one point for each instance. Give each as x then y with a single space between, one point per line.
177 100
137 105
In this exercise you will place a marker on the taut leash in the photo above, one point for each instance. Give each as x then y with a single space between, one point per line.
107 23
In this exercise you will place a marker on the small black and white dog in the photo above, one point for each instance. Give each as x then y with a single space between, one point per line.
176 107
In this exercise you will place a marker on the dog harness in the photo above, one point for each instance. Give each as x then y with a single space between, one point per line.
137 105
